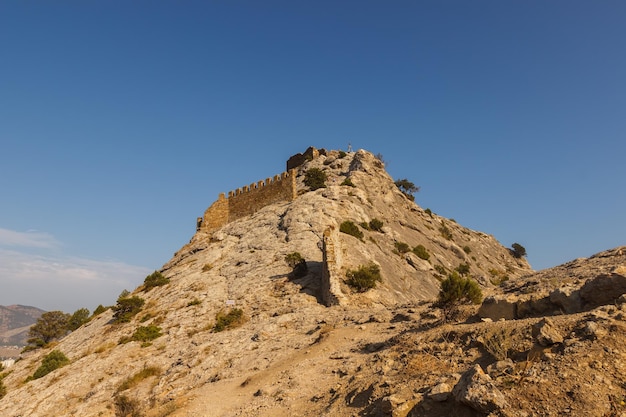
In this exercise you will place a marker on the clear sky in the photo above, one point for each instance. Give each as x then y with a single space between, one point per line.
121 121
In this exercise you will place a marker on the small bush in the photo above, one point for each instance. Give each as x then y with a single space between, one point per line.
429 212
127 407
364 278
446 233
351 229
207 267
155 279
53 360
467 249
146 333
194 302
99 310
407 188
348 182
421 252
402 247
376 225
498 341
498 276
463 269
126 308
298 264
226 321
342 154
456 290
441 269
315 178
134 380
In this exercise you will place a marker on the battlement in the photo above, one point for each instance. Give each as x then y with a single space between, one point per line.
247 200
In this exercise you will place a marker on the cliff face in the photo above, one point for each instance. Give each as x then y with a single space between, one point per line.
294 355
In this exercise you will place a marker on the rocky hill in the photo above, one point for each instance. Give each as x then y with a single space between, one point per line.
15 320
309 344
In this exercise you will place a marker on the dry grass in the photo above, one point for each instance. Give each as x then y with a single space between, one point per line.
134 380
498 340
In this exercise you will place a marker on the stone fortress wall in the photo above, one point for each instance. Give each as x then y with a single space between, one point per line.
251 198
248 200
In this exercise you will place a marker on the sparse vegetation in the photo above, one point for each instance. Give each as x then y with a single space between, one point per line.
351 229
155 279
226 321
402 247
364 278
145 334
126 308
3 388
126 407
99 310
298 264
376 225
207 267
497 341
467 249
407 188
53 360
342 154
315 178
441 269
518 250
348 182
463 269
194 302
446 233
429 212
456 290
134 380
497 276
421 252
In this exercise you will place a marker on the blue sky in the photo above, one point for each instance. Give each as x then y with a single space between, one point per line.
120 122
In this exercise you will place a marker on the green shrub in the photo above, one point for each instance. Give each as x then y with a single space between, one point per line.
315 178
134 380
376 225
456 290
348 182
99 310
364 278
463 269
402 247
342 154
155 279
467 249
147 333
194 302
429 212
441 269
518 250
497 276
350 228
53 360
225 321
421 252
80 317
126 308
298 264
446 233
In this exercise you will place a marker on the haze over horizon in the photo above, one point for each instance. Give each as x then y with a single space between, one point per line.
121 122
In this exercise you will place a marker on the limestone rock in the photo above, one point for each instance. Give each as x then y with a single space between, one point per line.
545 333
602 290
497 308
477 390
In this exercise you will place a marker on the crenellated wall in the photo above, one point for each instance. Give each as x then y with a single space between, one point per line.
249 199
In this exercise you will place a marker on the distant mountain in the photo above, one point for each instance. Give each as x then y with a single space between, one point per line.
15 320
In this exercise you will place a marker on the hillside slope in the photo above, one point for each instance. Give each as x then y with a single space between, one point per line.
381 352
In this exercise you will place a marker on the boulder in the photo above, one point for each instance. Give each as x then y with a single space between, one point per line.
567 299
545 333
602 290
496 308
476 389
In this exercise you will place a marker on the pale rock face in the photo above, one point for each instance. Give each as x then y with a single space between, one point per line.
243 265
